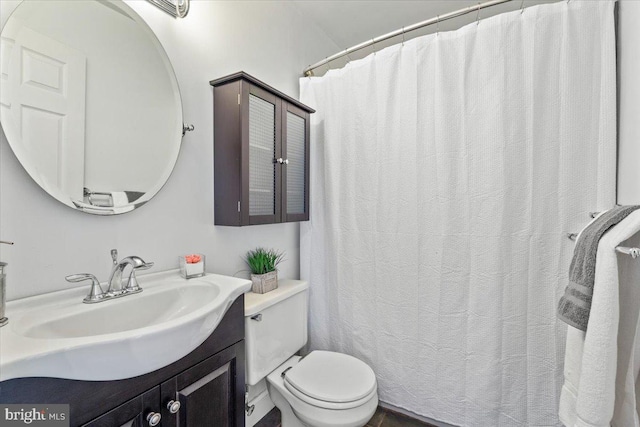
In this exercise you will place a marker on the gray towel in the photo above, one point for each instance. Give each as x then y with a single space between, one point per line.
575 304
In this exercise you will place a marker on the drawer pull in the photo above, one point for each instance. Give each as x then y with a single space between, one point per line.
173 406
154 419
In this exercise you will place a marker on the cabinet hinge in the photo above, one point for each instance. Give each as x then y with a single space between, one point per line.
238 99
238 205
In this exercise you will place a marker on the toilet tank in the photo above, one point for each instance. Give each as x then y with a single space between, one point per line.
275 327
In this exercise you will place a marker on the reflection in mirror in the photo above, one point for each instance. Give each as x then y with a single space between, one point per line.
175 8
89 103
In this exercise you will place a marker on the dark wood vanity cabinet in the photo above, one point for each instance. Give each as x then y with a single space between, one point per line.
209 383
205 393
261 153
133 413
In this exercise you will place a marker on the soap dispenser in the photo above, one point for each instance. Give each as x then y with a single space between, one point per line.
3 265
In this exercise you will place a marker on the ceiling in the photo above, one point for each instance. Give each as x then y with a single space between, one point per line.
350 22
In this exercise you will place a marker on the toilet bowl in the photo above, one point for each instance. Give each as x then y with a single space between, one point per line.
310 392
322 389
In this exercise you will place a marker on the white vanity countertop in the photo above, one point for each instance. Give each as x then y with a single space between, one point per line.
57 335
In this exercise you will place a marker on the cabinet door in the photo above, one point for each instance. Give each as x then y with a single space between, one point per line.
210 393
295 169
133 413
261 146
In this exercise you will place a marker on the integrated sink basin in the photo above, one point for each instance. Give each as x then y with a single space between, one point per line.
155 306
56 335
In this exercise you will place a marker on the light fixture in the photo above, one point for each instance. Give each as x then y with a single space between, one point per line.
175 8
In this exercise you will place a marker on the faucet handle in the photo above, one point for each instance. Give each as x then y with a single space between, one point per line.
95 294
132 283
114 255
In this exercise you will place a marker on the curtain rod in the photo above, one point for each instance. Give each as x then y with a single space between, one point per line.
309 70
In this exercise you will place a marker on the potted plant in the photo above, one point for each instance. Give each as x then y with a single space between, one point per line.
263 263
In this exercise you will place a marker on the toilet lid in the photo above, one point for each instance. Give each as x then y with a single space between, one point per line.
331 377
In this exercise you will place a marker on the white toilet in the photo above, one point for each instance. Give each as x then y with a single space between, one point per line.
323 389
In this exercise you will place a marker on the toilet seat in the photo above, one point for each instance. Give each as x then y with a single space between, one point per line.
306 411
331 380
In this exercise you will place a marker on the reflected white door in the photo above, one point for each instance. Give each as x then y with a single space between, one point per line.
43 94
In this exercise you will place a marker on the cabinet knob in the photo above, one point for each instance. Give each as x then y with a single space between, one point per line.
280 160
154 418
286 161
173 406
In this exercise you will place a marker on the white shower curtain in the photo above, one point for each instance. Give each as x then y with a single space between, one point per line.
445 174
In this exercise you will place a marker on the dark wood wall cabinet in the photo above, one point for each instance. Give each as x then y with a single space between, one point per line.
261 153
204 388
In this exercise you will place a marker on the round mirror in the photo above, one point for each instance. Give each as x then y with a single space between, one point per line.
89 103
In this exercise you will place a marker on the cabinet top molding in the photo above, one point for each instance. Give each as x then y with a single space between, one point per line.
241 75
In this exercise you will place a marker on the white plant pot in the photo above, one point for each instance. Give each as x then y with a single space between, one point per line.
263 283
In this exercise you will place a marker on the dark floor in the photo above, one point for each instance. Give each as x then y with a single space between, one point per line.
382 418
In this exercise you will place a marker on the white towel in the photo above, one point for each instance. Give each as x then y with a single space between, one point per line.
101 200
600 388
119 198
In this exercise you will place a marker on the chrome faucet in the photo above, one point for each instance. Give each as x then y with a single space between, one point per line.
115 288
115 278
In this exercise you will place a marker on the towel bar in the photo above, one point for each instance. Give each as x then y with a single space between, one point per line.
633 252
595 214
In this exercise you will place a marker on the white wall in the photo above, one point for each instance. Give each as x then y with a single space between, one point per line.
629 74
268 39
